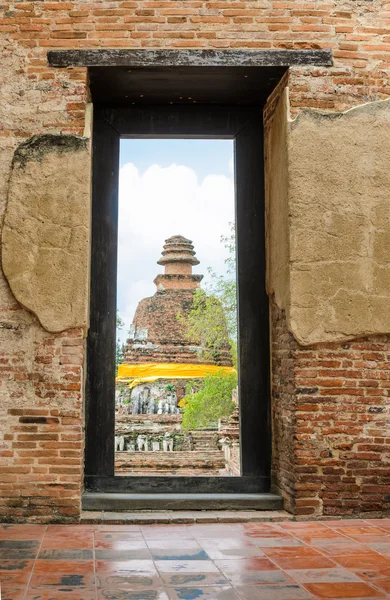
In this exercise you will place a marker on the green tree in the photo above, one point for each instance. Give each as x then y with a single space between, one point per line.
212 320
205 405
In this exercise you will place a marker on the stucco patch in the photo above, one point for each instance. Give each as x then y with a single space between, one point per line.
338 206
45 240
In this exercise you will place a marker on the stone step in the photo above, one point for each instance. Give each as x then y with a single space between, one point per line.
100 501
178 463
183 517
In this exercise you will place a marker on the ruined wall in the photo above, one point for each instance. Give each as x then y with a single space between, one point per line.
328 264
339 181
328 220
41 461
331 425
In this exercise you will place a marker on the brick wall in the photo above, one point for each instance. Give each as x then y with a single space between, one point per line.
42 444
331 425
38 99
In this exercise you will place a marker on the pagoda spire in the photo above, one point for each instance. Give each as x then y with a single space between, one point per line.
178 258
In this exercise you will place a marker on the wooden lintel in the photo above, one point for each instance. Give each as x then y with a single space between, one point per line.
188 58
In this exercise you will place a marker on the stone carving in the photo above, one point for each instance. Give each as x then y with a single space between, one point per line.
142 443
153 399
167 443
119 443
45 237
155 446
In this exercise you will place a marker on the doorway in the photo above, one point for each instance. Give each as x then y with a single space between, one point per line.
243 125
176 400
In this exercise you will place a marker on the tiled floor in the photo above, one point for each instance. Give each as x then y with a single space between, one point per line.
247 561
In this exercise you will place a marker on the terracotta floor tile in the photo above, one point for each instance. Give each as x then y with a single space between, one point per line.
12 593
382 523
186 566
49 554
207 593
303 562
212 531
19 544
127 581
62 593
120 544
168 532
115 528
336 574
371 576
383 584
114 594
68 542
110 537
179 554
382 547
193 579
367 538
129 554
273 592
64 573
245 565
15 572
351 523
246 561
292 552
185 544
361 530
255 532
316 537
244 552
343 590
125 566
276 542
22 532
302 525
257 577
225 542
347 548
17 553
362 562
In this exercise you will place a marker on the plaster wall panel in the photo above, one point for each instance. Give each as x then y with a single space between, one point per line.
339 182
45 242
277 203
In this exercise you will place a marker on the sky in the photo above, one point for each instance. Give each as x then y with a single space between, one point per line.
170 187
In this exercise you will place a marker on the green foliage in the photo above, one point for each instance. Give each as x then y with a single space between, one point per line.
212 320
209 401
119 321
170 387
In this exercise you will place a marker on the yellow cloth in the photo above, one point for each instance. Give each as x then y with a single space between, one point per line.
135 374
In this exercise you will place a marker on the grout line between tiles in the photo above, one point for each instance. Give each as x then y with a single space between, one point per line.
35 560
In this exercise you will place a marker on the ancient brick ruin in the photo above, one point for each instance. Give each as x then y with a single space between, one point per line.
148 435
327 223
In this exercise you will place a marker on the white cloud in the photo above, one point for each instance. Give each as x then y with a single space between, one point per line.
157 204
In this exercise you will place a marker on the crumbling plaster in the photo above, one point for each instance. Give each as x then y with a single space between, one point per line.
328 210
45 239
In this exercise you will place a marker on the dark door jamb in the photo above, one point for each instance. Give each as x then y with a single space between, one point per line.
244 125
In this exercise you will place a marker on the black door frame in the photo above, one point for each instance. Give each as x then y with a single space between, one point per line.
245 126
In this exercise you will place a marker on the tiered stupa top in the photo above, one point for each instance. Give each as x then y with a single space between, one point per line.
178 258
157 334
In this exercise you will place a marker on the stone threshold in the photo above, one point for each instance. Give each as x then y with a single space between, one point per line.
183 517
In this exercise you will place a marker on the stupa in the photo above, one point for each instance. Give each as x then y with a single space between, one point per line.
157 335
159 358
159 361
